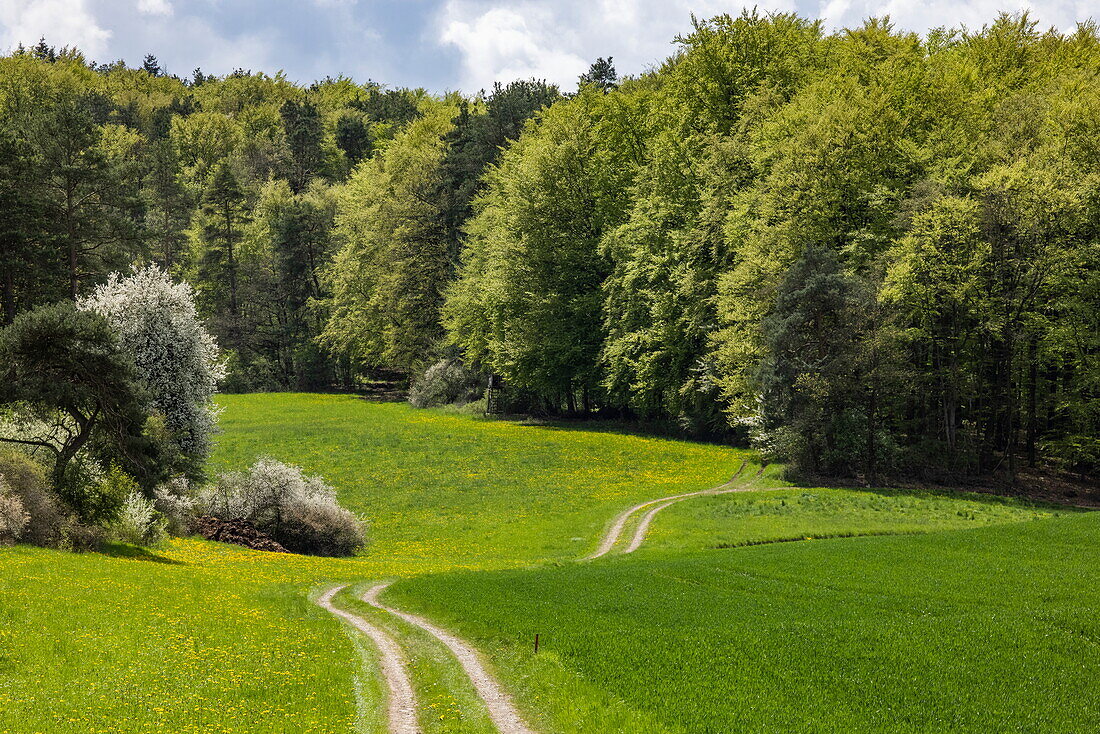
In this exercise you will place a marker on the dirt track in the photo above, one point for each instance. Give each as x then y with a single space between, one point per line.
501 710
611 537
401 710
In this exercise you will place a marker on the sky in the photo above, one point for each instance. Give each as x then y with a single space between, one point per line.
440 45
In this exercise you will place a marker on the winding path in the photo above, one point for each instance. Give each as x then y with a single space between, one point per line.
402 700
616 530
501 710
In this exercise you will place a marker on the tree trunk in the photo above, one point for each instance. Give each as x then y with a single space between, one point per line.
74 279
231 260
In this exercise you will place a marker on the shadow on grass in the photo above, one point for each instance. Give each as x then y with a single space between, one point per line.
655 430
136 553
987 498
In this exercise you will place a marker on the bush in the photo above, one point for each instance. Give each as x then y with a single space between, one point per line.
13 518
138 522
96 494
25 478
446 382
299 512
77 536
321 527
177 504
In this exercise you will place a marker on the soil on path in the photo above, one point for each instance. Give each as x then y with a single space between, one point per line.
616 530
501 710
401 711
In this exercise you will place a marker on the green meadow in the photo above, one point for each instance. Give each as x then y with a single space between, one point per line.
990 629
961 612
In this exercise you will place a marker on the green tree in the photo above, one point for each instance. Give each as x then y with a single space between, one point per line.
302 126
94 206
601 75
67 377
388 278
224 212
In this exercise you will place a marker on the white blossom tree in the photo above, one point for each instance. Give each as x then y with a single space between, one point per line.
176 356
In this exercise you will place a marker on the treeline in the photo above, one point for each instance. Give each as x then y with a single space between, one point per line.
230 183
865 252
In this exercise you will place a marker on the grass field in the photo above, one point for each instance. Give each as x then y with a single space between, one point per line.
992 629
481 493
198 636
733 520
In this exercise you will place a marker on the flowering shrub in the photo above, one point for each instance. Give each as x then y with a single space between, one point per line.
138 522
176 357
176 502
298 511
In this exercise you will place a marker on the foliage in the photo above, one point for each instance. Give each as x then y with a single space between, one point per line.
527 300
176 358
387 280
446 382
951 208
64 369
26 480
624 249
13 518
138 522
177 503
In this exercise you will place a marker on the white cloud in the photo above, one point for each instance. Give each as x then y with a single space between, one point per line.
505 39
920 15
501 40
60 22
504 44
155 7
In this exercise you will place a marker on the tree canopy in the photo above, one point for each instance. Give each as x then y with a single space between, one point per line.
863 251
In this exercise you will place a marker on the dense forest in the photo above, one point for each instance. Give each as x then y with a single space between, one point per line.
865 252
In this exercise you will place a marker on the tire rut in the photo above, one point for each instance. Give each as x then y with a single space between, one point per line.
401 709
611 537
501 709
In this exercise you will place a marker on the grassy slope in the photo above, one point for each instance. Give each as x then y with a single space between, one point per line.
226 640
220 640
482 493
992 629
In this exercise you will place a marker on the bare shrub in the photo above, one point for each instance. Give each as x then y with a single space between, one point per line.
323 528
77 536
47 518
446 382
12 516
298 511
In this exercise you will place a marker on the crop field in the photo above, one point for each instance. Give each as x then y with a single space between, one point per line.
992 629
988 613
749 518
